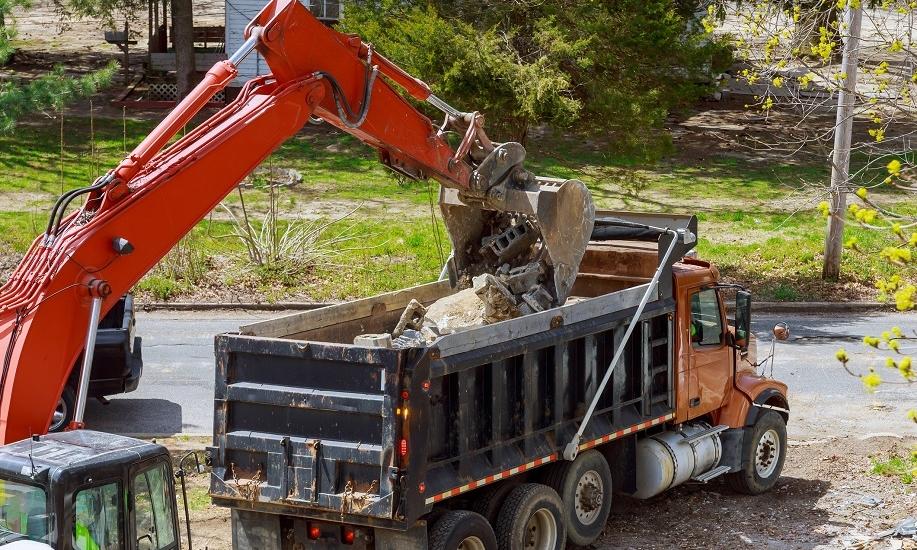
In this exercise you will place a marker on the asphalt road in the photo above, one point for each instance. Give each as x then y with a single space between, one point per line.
176 391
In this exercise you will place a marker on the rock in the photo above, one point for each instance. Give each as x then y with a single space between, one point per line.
460 311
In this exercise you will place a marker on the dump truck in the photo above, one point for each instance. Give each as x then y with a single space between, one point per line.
329 444
598 360
463 442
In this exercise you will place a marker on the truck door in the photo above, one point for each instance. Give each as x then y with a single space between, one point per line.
709 356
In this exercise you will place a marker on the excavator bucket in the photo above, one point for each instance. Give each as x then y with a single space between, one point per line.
534 237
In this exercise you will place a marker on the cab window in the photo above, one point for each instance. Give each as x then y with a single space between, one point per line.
153 509
96 523
706 323
23 512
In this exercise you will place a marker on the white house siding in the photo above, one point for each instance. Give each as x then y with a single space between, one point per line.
238 15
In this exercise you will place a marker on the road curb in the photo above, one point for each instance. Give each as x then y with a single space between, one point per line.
757 307
231 306
820 307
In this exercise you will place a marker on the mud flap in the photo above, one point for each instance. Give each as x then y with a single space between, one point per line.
255 530
733 440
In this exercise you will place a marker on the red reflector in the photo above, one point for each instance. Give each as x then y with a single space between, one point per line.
314 532
348 535
405 395
404 447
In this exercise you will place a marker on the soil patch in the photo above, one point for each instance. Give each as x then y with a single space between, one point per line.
825 499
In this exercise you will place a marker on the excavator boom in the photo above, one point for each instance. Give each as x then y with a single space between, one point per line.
131 217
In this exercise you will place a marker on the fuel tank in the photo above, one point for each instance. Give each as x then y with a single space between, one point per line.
670 458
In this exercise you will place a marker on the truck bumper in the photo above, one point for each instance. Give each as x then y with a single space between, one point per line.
264 531
101 387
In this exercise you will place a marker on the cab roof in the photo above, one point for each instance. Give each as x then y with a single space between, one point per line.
74 451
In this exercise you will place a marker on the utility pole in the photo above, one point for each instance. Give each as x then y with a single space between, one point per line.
843 131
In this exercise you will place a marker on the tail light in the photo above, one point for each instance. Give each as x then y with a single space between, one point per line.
348 535
315 532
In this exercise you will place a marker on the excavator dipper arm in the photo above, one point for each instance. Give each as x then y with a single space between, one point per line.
131 217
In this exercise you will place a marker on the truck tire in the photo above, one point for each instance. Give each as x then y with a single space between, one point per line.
532 518
489 502
763 453
462 530
63 413
584 486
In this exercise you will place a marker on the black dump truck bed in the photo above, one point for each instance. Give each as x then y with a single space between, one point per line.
308 424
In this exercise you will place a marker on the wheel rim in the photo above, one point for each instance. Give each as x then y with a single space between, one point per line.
60 416
471 543
541 531
589 497
767 454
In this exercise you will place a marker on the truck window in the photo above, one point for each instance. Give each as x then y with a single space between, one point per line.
153 509
97 524
706 324
23 512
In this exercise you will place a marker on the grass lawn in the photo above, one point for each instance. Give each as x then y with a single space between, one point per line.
758 221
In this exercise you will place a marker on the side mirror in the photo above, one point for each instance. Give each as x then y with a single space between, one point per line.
743 319
781 331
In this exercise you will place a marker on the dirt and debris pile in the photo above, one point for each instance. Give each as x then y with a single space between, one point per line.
506 294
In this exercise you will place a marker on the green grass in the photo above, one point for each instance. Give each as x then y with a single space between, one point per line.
198 498
757 222
902 467
389 254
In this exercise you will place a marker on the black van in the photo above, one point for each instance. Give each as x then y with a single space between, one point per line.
117 362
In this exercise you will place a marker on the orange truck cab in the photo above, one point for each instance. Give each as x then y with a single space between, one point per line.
715 378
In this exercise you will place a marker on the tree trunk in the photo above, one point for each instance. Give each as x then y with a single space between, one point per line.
815 14
183 40
840 162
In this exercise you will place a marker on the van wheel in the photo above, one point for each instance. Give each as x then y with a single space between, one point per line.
63 412
763 453
532 519
462 530
584 486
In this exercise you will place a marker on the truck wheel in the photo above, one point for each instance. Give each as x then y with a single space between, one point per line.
763 453
584 486
63 413
462 530
490 501
532 519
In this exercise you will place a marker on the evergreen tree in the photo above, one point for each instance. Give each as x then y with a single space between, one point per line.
50 91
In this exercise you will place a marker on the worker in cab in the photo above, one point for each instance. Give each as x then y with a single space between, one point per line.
88 512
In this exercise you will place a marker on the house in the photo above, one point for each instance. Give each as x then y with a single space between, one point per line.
213 43
240 12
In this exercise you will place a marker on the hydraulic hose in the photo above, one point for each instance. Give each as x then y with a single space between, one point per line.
345 113
57 212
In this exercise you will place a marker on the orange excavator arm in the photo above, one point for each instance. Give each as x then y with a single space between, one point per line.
132 216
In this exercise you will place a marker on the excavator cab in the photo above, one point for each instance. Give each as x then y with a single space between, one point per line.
87 490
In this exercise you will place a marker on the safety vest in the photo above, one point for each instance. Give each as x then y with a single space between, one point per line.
82 538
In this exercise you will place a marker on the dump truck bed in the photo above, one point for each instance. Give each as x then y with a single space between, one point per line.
308 424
